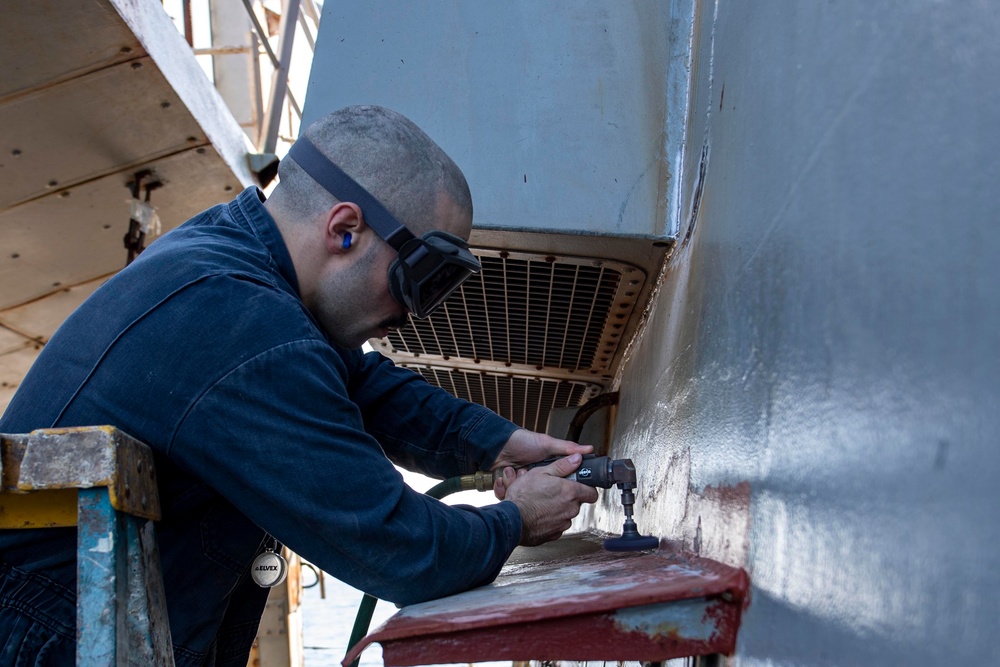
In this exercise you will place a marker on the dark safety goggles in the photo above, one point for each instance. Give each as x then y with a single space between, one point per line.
427 268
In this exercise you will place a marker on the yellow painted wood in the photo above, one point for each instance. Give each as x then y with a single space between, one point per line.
38 509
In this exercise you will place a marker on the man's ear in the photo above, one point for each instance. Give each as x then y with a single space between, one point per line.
340 232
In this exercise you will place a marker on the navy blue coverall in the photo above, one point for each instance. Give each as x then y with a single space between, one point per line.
260 426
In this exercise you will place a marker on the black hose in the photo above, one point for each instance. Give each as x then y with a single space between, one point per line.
445 488
361 623
585 412
366 609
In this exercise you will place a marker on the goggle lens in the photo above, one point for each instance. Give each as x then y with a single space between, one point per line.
429 269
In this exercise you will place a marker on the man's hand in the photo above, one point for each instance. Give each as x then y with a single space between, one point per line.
524 447
548 503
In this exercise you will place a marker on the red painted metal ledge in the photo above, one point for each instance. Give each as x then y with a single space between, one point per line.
572 600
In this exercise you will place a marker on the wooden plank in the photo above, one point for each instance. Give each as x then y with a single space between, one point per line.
93 456
12 448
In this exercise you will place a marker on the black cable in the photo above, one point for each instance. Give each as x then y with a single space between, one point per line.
585 411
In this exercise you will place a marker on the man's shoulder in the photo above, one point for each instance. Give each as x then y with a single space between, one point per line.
206 241
217 273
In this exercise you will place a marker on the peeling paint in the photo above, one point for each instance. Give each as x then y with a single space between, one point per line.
104 544
675 620
599 605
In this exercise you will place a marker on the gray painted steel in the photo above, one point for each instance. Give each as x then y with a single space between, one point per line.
544 142
816 392
829 334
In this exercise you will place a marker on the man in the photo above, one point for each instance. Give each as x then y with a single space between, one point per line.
230 347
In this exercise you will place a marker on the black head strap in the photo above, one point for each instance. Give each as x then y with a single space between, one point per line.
335 181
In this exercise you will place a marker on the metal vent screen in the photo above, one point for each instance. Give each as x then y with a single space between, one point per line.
526 401
533 311
529 334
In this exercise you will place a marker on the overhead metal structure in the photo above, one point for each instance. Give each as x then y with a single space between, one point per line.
543 327
94 92
567 146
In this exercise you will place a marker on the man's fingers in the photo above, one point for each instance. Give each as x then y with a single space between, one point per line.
503 481
566 447
525 447
575 448
565 466
548 503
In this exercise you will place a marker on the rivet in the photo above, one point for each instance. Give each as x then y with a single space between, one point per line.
199 151
52 184
228 188
125 49
16 152
136 65
128 491
142 501
164 105
15 255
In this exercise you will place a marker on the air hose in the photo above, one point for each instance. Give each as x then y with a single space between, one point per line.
480 481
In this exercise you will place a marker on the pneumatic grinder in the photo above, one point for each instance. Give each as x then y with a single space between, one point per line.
604 472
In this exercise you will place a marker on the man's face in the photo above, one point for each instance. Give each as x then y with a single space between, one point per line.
354 303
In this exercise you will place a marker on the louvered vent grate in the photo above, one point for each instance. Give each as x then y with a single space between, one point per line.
529 334
532 311
525 401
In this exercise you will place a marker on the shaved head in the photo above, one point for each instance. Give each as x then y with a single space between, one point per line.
388 155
